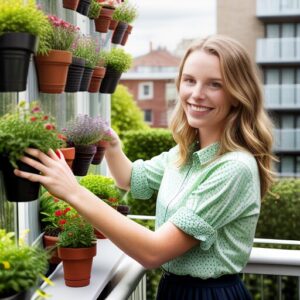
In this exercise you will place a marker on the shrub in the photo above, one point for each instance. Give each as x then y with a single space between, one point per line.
125 114
125 12
117 59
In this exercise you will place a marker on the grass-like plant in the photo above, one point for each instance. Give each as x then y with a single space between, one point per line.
21 266
94 10
125 12
117 59
25 127
20 16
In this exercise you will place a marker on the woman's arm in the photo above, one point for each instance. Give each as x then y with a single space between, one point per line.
149 248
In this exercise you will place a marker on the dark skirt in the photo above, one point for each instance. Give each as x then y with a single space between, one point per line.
176 287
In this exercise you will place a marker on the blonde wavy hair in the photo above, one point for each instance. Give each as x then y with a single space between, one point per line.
248 126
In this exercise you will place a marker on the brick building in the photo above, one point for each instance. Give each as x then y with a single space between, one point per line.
152 82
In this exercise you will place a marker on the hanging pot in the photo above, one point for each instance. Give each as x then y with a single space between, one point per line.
110 81
75 74
50 242
70 4
83 7
86 79
77 264
99 155
18 189
16 49
126 34
119 32
113 24
24 295
52 71
69 155
96 80
104 19
83 157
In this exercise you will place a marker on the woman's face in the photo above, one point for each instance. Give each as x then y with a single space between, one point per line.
202 93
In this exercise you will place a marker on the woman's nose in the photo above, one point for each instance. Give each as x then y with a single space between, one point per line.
198 91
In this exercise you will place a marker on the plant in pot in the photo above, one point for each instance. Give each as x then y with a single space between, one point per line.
83 132
103 187
19 130
117 61
54 214
106 11
22 27
21 267
94 10
125 14
52 67
70 4
76 248
106 137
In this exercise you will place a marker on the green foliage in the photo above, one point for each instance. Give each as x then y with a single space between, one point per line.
125 114
145 144
280 211
102 186
117 59
125 12
20 266
77 234
86 47
19 16
94 9
25 128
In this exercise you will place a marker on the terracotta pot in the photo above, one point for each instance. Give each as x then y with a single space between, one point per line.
52 71
98 157
77 264
97 77
50 242
113 24
103 21
126 34
69 155
70 4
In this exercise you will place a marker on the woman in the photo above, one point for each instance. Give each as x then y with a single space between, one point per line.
210 185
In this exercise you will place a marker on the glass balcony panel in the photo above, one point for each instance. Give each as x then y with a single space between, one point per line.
277 7
287 95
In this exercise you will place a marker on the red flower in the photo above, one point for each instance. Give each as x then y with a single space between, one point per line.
49 126
33 119
112 200
62 137
62 221
45 118
66 210
55 200
58 213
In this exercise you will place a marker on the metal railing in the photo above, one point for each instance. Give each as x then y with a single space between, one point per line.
278 50
263 261
282 96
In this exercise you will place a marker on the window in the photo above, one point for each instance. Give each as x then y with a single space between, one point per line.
145 90
148 115
171 92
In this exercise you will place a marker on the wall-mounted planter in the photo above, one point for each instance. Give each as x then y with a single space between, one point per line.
83 157
52 71
126 35
86 79
110 81
75 74
83 7
16 49
103 21
97 77
119 33
70 4
18 189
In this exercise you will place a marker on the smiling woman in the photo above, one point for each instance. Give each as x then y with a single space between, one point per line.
209 185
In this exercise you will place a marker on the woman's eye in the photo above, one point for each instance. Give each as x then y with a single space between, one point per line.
215 84
189 80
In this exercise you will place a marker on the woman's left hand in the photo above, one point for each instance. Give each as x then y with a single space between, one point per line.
55 175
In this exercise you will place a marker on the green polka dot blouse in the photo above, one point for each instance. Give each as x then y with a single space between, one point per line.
215 201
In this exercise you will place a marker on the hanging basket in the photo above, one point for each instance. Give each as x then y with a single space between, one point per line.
52 71
15 53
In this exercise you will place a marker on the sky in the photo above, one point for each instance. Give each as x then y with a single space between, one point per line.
166 22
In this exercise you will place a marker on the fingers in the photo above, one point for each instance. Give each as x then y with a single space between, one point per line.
34 163
42 157
30 176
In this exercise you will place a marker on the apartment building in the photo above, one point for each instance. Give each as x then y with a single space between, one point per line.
151 80
270 30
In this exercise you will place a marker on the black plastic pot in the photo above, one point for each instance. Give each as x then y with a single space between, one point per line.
75 74
18 189
119 33
123 209
83 158
16 49
16 296
98 157
110 81
86 79
83 7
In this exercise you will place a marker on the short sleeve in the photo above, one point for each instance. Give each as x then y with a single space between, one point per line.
227 194
147 175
